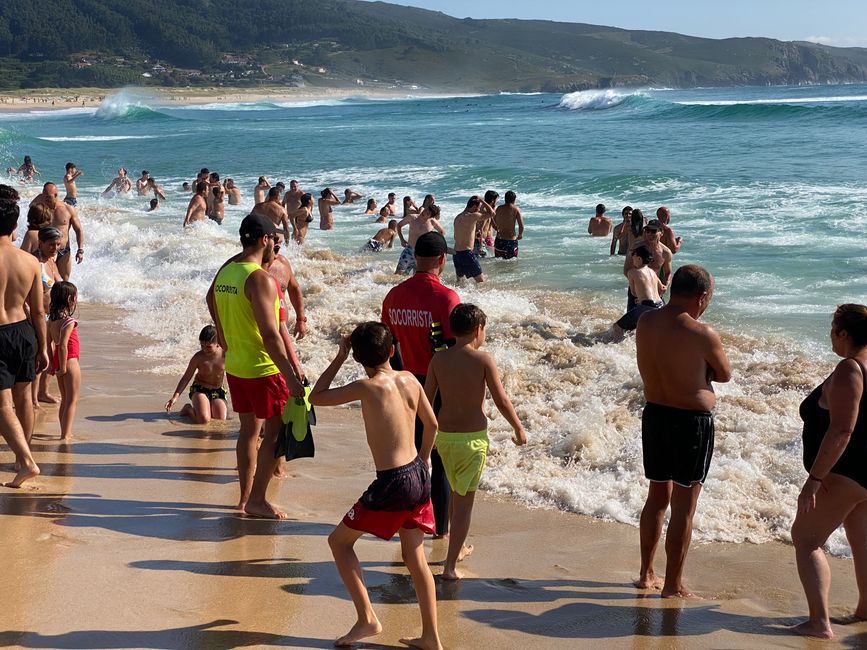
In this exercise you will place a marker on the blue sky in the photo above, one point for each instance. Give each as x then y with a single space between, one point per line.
833 22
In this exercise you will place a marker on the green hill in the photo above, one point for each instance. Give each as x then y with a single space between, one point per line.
109 43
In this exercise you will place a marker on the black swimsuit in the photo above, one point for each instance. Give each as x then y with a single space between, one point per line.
853 462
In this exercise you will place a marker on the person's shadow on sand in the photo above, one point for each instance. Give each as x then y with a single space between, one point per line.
154 416
194 636
179 521
586 620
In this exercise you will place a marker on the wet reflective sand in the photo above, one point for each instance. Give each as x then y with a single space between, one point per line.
129 540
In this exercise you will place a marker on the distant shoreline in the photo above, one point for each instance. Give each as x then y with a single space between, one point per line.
47 99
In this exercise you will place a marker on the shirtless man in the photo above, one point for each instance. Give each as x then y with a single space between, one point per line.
661 262
151 186
351 197
63 218
391 205
213 181
272 209
141 184
197 206
281 269
600 225
505 218
663 214
218 207
425 221
301 218
72 174
384 238
678 358
260 191
645 285
292 198
466 260
23 347
485 229
233 192
327 200
618 236
120 185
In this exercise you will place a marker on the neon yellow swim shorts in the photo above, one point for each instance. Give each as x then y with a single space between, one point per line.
463 456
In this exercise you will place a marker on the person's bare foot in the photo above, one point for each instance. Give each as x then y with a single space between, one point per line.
280 473
26 472
361 630
48 399
808 628
465 552
423 643
242 504
452 574
650 581
66 438
36 406
264 511
680 592
443 536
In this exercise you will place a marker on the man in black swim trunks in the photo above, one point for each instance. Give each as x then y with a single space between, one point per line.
23 349
678 358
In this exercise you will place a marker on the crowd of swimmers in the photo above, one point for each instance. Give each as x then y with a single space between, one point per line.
426 377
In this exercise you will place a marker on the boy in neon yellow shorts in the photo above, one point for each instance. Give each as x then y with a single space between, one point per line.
461 374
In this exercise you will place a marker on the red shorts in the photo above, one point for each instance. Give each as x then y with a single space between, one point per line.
385 524
264 397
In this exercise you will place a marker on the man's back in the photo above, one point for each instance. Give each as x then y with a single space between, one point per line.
19 272
418 226
271 209
673 351
505 218
410 309
388 405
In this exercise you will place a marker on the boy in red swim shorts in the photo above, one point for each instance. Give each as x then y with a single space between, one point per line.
398 501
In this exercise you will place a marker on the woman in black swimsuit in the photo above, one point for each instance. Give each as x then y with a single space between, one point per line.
835 457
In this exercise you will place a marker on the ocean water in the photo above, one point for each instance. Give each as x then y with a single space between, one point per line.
766 186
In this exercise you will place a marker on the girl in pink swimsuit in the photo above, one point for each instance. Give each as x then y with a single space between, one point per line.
63 332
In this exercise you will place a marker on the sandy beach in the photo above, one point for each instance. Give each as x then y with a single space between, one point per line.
43 99
129 540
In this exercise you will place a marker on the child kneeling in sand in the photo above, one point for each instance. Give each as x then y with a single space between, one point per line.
461 374
398 501
207 395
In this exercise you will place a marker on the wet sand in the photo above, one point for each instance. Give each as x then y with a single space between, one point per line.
47 99
129 540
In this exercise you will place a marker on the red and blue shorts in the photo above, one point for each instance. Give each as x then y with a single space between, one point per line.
398 498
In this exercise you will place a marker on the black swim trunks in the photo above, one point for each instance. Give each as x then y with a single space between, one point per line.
17 354
677 444
398 489
505 248
467 264
629 321
210 393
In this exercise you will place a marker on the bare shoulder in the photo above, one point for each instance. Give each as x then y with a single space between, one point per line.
24 259
848 369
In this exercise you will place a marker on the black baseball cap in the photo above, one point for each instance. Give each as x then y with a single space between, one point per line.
653 224
431 244
255 226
